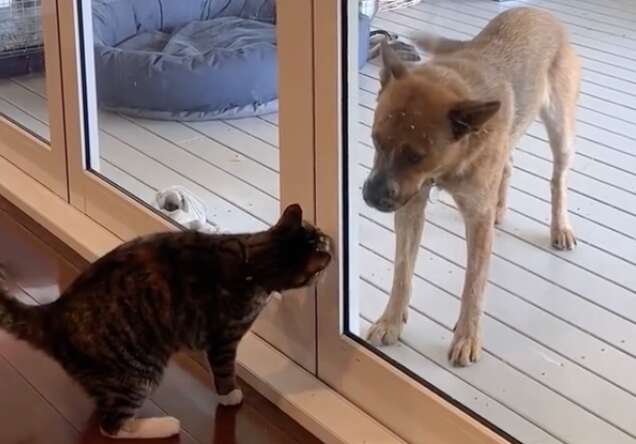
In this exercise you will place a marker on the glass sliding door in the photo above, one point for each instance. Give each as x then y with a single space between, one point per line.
397 385
195 114
549 338
31 111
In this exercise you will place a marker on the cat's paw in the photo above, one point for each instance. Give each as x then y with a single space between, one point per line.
235 397
147 428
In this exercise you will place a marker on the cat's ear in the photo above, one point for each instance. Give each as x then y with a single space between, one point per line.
317 262
291 219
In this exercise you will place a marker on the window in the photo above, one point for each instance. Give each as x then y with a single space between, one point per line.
178 116
557 324
181 116
31 111
23 85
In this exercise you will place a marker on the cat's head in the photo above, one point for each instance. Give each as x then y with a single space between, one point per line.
304 250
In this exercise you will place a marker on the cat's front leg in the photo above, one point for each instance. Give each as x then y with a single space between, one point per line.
222 360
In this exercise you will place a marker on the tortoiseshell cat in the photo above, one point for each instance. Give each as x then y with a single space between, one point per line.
114 329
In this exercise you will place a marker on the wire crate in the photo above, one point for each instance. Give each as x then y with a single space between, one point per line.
389 5
372 7
21 44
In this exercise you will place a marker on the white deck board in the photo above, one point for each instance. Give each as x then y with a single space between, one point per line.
260 128
222 183
227 134
601 10
24 119
160 176
125 180
427 17
540 295
510 386
523 375
560 328
231 161
575 24
463 391
412 20
22 108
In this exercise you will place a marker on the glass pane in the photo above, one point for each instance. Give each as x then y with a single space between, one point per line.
22 73
182 107
558 326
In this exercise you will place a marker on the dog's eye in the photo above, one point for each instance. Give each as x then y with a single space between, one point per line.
380 147
413 156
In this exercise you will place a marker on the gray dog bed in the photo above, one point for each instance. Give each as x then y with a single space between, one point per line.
189 59
186 59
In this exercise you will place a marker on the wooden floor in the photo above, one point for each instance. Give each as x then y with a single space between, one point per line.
560 328
41 405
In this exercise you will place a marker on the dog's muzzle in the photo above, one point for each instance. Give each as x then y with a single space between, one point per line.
381 193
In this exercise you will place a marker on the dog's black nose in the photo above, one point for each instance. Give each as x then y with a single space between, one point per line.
380 193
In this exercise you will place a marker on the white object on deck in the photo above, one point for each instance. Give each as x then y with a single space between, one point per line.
184 207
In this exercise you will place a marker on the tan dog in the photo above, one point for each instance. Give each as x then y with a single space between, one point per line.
453 122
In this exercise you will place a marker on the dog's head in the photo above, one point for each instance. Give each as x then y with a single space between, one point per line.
420 132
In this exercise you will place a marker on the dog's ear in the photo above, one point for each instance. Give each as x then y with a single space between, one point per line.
392 65
470 116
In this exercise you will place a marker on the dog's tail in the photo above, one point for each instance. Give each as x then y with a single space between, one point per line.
434 44
22 321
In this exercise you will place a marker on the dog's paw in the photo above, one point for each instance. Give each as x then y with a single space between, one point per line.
386 331
563 238
465 349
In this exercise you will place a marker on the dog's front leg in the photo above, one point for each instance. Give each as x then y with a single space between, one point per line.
466 345
409 223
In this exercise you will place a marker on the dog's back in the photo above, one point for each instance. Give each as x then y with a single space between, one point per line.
526 49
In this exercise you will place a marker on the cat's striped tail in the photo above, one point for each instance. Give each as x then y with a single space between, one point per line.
435 44
21 320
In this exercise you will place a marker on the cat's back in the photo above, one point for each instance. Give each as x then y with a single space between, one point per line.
147 291
143 261
157 275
